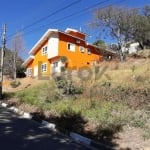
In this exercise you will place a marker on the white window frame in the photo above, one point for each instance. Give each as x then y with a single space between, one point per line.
71 47
44 50
81 49
88 50
29 72
44 67
55 64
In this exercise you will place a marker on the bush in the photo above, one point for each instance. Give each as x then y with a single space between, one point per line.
68 87
63 59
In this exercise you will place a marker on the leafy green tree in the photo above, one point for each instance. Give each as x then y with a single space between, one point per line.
100 43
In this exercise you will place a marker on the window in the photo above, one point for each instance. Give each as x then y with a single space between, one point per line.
44 67
71 47
88 51
29 72
82 49
55 64
44 50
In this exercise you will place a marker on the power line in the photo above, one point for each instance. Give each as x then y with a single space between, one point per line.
73 14
52 14
78 13
69 16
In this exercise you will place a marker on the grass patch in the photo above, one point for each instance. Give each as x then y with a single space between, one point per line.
8 95
146 134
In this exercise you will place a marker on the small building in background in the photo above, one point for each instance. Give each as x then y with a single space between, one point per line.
131 48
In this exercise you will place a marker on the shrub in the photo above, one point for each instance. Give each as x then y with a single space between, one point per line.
146 134
68 87
63 59
60 82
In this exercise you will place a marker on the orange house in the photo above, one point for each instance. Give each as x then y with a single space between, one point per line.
45 56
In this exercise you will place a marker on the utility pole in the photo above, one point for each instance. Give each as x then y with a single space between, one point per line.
2 60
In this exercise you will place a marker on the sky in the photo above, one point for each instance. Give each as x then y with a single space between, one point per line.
34 17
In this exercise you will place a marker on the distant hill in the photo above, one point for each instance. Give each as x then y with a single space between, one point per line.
8 62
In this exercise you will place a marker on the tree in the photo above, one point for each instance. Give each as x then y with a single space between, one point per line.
17 46
8 64
116 22
141 32
100 43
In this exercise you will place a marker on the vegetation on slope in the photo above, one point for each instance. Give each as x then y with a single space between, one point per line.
98 107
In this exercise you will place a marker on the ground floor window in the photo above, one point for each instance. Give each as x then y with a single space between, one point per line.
55 64
29 72
44 67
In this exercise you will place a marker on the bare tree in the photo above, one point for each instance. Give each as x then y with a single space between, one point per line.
116 22
18 46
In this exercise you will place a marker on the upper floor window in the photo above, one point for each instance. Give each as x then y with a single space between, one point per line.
71 47
44 67
82 49
88 51
44 50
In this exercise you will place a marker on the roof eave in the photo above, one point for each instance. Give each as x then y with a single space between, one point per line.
27 61
102 48
42 39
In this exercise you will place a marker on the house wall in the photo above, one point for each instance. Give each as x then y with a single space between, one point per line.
76 59
57 46
40 59
53 45
133 48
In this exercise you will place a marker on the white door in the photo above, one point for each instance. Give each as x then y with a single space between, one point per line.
35 71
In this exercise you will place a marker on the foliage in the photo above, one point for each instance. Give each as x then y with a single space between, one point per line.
8 63
123 24
17 46
141 25
103 108
146 134
100 43
107 111
68 87
63 59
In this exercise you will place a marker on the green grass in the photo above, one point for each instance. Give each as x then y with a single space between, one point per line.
97 111
146 134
